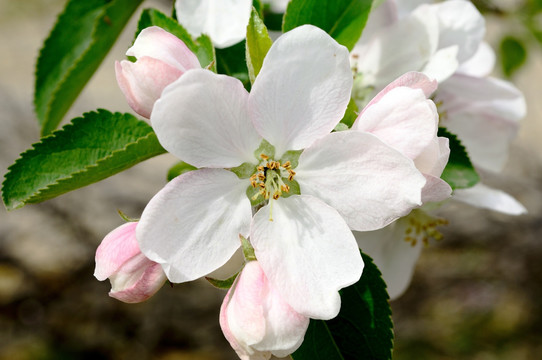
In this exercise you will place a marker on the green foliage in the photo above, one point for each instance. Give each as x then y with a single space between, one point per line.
513 54
362 330
178 169
229 63
344 20
89 149
222 284
81 38
202 46
257 45
351 114
459 172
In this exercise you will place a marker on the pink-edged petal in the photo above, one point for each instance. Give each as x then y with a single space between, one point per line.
484 113
302 90
404 46
192 225
307 252
225 21
138 280
460 23
116 248
157 43
394 257
367 181
403 118
142 82
202 118
484 197
435 189
434 157
481 63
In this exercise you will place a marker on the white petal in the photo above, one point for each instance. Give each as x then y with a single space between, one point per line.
202 119
192 225
368 182
460 23
435 190
225 21
484 113
405 46
481 63
307 252
302 90
442 64
403 118
434 158
483 196
394 257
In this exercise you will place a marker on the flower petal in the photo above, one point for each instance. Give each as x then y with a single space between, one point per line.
142 82
202 118
481 63
484 197
159 44
434 157
403 118
484 113
192 225
225 21
367 181
394 257
117 247
435 189
307 252
302 90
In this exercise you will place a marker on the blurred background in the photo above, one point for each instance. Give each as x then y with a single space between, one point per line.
476 294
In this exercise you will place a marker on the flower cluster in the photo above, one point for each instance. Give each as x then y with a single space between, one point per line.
276 165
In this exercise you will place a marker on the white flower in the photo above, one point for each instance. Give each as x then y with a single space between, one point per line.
225 21
346 179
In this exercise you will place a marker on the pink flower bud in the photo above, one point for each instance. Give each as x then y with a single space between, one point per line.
161 59
256 320
134 278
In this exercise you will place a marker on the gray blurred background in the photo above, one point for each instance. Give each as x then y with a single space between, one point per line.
475 295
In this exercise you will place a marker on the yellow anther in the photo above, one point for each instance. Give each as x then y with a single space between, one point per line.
287 165
264 157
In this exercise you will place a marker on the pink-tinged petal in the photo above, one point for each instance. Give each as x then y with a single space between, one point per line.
460 23
484 113
119 246
435 189
481 63
159 44
192 225
138 280
484 197
394 257
434 157
404 46
307 252
203 119
403 118
367 181
142 82
225 21
302 90
257 321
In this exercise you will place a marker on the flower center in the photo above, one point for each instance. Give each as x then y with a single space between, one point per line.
269 178
422 227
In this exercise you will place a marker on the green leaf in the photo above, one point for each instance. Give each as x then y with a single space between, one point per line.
513 55
81 38
202 46
222 284
178 169
362 330
258 43
229 61
459 172
344 20
351 114
89 149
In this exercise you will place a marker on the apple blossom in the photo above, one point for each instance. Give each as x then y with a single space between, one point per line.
134 278
225 21
256 320
310 186
161 59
